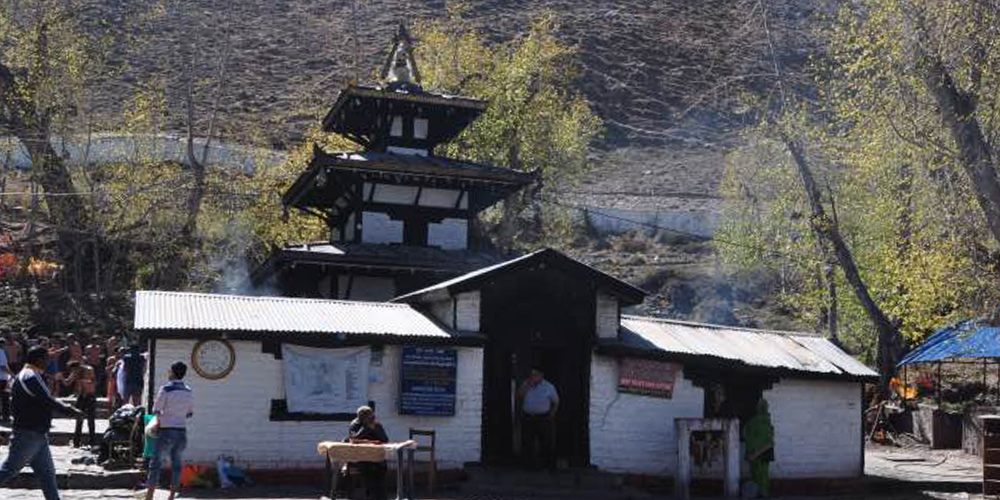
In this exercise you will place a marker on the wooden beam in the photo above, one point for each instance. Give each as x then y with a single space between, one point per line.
418 211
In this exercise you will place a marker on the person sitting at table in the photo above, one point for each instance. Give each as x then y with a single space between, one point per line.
366 430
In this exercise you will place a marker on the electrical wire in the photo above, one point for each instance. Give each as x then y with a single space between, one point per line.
769 252
715 239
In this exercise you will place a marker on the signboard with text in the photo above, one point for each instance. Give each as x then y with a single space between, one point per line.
646 377
427 381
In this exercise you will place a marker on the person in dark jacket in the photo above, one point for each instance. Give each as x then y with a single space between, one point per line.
32 406
366 430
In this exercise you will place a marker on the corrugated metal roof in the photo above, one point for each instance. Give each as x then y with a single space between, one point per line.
200 311
761 348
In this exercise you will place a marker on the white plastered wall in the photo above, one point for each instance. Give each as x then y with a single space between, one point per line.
817 428
379 228
608 316
449 234
634 434
232 415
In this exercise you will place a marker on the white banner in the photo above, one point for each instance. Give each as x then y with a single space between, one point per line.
325 380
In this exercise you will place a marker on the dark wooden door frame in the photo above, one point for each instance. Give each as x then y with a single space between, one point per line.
496 379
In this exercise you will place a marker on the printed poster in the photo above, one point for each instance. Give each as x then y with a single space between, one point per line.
325 380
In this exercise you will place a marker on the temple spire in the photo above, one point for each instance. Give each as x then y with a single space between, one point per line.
400 67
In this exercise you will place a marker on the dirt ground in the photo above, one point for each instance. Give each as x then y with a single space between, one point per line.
891 473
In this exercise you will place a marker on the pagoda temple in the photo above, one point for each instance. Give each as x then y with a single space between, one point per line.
398 215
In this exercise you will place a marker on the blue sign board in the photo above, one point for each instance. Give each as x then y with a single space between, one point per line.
427 381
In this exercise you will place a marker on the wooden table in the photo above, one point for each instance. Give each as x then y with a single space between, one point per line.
338 453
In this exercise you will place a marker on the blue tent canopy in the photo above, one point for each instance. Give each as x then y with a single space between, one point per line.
968 339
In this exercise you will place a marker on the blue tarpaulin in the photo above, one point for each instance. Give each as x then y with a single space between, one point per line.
968 339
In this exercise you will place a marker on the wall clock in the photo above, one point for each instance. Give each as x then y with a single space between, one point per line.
213 358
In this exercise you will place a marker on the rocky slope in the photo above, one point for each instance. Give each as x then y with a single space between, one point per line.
658 73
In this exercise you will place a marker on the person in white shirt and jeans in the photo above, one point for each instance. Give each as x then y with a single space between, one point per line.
174 405
539 403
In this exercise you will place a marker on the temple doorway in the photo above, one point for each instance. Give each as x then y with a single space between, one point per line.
541 319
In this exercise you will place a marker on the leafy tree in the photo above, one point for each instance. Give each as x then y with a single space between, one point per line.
46 60
535 122
900 133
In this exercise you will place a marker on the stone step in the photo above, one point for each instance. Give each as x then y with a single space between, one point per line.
579 483
73 473
63 429
582 479
126 479
514 490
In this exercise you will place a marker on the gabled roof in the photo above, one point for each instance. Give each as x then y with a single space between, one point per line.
627 293
354 112
789 353
193 314
431 166
436 170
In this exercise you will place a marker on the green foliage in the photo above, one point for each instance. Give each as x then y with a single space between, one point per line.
271 226
889 168
535 122
43 44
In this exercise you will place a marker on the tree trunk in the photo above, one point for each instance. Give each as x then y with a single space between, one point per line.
24 120
888 336
198 168
957 111
834 310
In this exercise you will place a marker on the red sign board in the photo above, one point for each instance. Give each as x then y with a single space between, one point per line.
647 377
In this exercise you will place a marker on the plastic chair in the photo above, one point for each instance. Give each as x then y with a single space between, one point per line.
423 447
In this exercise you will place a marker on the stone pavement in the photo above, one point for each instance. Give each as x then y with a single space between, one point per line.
934 470
73 471
125 494
312 494
67 426
891 474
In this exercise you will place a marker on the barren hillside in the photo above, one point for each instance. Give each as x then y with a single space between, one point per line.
649 67
657 72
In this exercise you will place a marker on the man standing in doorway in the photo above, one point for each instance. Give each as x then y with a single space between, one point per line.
539 404
32 408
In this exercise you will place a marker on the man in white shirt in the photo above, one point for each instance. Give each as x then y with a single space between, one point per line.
539 404
173 406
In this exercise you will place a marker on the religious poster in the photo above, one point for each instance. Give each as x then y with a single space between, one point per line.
325 380
646 377
427 381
